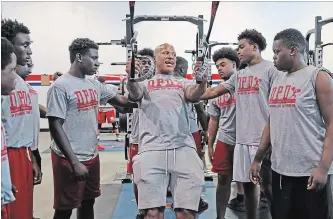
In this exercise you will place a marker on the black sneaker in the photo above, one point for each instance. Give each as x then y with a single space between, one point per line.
140 216
236 205
203 206
263 204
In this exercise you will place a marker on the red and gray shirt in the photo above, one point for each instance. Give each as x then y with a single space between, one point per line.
76 101
17 116
164 114
224 107
251 87
36 116
296 124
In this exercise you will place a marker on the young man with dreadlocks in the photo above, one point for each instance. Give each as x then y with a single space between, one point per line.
300 133
72 107
8 77
222 111
251 88
17 117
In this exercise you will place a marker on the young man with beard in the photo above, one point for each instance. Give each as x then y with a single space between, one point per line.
181 69
300 133
167 154
17 119
251 88
8 66
72 107
222 111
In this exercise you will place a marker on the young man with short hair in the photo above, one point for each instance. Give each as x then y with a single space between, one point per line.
300 133
72 107
251 88
8 66
222 111
17 119
167 154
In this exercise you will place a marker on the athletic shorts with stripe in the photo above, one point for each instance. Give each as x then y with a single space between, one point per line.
180 168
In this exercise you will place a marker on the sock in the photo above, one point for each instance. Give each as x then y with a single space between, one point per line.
240 197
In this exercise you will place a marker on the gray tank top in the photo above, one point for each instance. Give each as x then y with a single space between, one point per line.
296 125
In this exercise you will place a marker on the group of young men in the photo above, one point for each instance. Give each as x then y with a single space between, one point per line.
276 129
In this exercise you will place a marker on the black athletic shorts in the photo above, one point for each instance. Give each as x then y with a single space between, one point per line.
292 200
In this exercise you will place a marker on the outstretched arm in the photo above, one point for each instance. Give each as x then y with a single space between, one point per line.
223 88
122 101
195 91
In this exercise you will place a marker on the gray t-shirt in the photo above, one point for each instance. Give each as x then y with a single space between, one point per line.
164 114
296 125
36 116
76 101
134 138
17 117
224 107
193 118
251 87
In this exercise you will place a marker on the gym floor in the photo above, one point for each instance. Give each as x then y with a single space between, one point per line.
117 199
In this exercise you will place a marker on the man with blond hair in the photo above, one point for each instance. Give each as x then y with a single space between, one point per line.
167 152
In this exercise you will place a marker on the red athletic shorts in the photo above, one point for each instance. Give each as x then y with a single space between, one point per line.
5 213
134 149
196 136
223 158
69 193
22 177
101 117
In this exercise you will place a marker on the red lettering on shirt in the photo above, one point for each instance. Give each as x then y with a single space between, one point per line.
164 84
32 91
226 101
283 96
20 103
248 84
86 99
3 145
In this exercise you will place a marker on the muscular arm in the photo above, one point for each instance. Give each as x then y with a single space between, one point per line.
265 143
212 130
122 101
202 117
213 92
61 139
194 92
122 110
324 90
135 90
42 111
